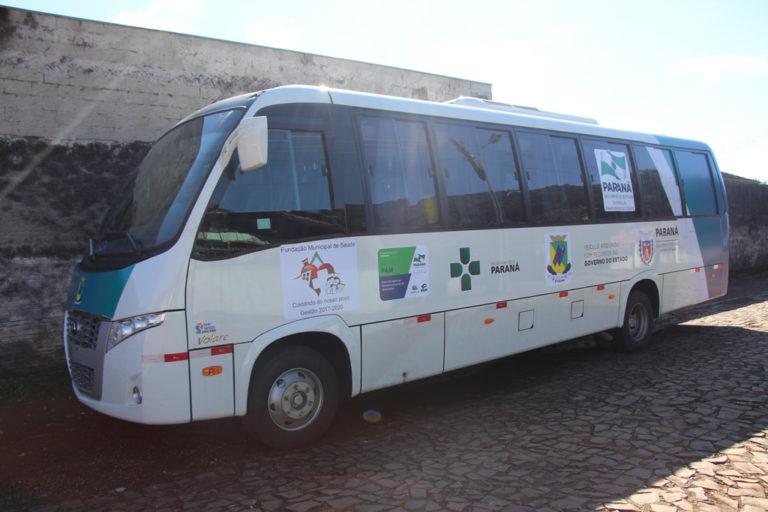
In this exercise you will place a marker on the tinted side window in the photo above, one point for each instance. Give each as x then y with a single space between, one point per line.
612 179
287 199
480 175
555 180
698 189
659 191
400 174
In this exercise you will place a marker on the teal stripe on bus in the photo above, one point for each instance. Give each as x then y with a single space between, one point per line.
97 293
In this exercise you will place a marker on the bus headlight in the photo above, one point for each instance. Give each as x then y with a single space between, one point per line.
122 329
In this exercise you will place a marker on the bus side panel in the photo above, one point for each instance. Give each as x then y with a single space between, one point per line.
705 260
212 379
714 248
481 333
717 279
487 332
402 350
683 289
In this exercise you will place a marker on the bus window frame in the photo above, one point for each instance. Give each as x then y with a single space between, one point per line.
628 144
374 227
639 146
475 125
529 222
707 158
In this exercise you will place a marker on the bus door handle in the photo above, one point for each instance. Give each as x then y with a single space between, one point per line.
370 170
445 172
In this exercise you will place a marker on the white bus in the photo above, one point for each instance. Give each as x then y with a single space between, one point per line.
281 250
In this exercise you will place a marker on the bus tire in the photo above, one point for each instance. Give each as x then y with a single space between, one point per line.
292 399
635 333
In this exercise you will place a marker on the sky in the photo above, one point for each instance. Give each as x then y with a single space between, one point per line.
695 69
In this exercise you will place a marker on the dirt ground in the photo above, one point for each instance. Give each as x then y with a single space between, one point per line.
48 429
54 449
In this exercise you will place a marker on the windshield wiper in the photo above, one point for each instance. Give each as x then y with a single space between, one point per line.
137 246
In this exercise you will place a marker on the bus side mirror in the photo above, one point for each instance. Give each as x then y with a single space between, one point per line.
252 143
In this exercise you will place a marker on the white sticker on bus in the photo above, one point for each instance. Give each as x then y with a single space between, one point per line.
319 278
615 181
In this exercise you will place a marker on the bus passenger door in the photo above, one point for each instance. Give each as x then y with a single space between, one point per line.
402 350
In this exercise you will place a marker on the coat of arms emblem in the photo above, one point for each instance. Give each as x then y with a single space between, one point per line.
558 260
646 248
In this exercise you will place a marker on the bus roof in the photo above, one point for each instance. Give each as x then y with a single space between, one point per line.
469 109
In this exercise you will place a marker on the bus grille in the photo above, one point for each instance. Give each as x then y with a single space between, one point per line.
82 376
83 329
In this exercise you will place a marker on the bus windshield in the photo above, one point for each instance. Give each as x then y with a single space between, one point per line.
152 208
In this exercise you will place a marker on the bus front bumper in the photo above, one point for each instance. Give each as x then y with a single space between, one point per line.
144 379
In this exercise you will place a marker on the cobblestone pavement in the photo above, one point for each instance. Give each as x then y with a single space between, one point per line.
682 426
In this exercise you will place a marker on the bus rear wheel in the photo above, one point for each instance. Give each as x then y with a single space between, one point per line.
635 333
292 399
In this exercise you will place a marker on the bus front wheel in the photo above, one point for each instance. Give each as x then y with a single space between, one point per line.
292 398
635 333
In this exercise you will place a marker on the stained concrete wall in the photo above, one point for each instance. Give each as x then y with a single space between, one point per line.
80 102
748 203
45 221
72 80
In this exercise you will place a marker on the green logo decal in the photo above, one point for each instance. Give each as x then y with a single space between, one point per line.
615 165
403 272
465 269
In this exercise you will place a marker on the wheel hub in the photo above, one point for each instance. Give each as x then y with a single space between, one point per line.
295 399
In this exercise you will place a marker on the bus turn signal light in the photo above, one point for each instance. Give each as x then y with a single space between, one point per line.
210 371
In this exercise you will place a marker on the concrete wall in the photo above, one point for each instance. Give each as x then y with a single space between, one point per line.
748 203
45 221
70 80
80 102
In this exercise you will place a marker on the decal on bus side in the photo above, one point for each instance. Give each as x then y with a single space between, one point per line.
403 272
616 181
319 278
465 269
645 247
557 261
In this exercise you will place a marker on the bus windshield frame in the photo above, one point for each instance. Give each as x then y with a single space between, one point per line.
152 208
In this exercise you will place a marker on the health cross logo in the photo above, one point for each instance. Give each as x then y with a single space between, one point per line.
465 269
